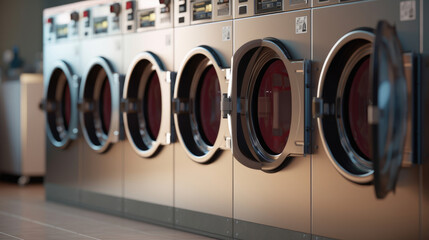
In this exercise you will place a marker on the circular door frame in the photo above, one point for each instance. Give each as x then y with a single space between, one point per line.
73 82
221 140
114 79
367 177
257 157
164 133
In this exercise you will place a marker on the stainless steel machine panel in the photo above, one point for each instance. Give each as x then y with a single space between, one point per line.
99 106
149 157
61 82
277 199
203 173
342 205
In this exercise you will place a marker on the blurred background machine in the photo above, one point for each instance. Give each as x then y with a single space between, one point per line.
22 154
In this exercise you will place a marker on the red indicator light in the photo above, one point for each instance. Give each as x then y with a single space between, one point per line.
50 20
129 5
112 8
86 13
161 1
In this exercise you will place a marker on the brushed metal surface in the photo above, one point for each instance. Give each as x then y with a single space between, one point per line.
208 224
149 179
62 165
110 47
280 199
209 34
149 212
205 188
101 202
61 193
249 230
340 208
159 42
102 173
70 53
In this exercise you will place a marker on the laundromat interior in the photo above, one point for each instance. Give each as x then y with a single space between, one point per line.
214 119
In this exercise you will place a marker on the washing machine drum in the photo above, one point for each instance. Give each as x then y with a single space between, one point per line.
99 105
60 105
363 119
201 84
146 104
270 122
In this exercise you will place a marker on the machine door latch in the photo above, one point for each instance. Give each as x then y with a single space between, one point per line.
226 105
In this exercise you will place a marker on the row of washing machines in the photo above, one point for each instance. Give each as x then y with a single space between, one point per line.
264 119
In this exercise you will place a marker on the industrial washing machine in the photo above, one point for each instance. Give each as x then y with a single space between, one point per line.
366 144
202 157
62 71
99 106
270 119
149 155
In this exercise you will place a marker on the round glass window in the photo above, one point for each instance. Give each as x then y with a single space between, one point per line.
208 105
273 107
105 105
357 108
66 105
152 106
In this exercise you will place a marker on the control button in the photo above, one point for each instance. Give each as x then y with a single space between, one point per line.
242 10
115 8
74 16
50 20
129 5
86 13
129 27
181 19
242 1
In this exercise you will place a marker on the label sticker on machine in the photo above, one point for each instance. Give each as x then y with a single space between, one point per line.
301 25
407 10
226 33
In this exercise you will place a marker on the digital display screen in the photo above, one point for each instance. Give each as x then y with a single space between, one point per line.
147 19
100 25
264 6
61 31
202 10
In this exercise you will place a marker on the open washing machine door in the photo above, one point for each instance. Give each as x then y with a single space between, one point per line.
60 105
365 122
390 109
201 85
271 117
99 105
146 104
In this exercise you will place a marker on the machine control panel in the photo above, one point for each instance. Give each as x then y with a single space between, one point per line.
100 20
202 11
144 15
61 27
266 6
248 8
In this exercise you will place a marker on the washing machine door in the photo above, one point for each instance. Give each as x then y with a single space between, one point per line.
201 84
60 105
271 118
99 105
361 107
388 113
147 104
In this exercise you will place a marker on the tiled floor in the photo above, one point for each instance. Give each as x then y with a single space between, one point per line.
24 214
